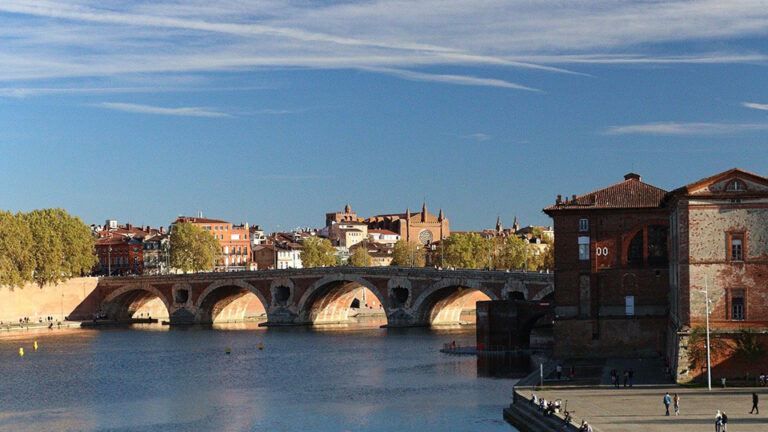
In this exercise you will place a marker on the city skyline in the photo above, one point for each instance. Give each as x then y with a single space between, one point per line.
274 114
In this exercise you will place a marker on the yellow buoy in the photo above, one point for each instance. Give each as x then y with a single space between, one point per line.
261 346
35 345
228 351
21 352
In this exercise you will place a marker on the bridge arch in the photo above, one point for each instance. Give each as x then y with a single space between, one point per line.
443 302
220 294
328 300
123 302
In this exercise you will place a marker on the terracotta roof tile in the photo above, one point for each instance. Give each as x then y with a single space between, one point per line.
630 193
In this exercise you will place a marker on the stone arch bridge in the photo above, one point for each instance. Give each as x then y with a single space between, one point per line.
408 296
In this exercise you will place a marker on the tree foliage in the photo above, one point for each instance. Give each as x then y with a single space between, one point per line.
44 246
193 249
408 254
360 257
748 345
17 263
318 252
472 251
469 251
62 246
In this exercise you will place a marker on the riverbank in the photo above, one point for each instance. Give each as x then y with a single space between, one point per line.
636 408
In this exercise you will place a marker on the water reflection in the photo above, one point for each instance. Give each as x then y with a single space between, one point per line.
150 378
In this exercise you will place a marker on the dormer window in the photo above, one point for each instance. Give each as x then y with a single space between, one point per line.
736 186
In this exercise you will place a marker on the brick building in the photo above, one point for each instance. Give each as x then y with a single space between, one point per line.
127 249
611 271
632 263
234 241
421 227
719 233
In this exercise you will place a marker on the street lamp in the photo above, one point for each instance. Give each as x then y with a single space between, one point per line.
109 261
709 368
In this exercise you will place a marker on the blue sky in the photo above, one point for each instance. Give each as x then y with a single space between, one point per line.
276 112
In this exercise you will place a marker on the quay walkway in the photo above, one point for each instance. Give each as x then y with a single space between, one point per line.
640 408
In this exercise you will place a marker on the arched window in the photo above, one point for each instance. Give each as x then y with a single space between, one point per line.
635 250
657 245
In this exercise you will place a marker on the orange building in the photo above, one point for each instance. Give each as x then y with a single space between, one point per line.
235 245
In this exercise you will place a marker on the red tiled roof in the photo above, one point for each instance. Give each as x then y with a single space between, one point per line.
182 219
630 193
381 231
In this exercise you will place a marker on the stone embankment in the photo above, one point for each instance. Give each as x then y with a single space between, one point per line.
523 415
35 303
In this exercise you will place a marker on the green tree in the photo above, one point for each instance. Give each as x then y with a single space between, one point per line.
408 254
514 253
548 256
17 263
62 246
317 252
360 257
469 251
193 249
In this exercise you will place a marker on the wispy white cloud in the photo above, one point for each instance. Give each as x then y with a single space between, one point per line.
479 136
686 129
58 39
150 109
757 106
452 79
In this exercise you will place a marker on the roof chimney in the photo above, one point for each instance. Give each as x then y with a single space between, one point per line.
632 176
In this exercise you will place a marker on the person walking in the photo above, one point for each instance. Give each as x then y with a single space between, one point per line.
754 404
626 377
667 401
631 376
676 399
725 422
559 371
718 421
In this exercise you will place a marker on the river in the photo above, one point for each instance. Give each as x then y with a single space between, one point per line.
151 378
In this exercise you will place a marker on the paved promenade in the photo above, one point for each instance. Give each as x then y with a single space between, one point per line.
641 408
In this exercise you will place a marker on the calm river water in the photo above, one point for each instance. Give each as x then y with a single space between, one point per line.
154 379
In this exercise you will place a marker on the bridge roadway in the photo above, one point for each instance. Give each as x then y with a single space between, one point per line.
409 296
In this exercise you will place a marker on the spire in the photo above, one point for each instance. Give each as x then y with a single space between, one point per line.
440 217
424 212
499 228
348 209
515 225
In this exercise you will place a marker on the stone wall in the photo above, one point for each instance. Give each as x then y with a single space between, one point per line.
727 361
616 337
51 300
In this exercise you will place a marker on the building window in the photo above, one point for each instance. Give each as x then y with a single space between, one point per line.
737 308
657 245
635 250
736 186
583 225
629 305
737 248
583 248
